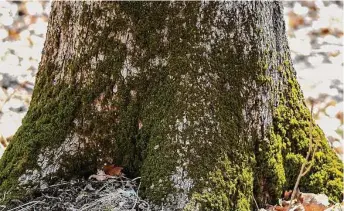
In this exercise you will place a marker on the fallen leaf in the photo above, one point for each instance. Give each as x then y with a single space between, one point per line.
113 170
13 34
279 208
295 20
314 207
100 176
325 31
287 194
340 116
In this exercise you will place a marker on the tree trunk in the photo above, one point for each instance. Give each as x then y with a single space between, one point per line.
198 98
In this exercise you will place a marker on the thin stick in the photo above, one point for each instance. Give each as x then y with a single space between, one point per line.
29 203
255 202
8 97
137 196
302 170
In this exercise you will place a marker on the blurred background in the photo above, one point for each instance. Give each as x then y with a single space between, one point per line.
315 33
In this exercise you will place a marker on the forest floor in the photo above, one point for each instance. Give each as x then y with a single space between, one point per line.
315 33
116 193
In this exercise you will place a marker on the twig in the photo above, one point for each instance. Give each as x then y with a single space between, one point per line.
29 203
63 183
311 163
255 202
137 193
4 197
8 97
304 171
105 185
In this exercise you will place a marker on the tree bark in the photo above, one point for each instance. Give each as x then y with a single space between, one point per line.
198 98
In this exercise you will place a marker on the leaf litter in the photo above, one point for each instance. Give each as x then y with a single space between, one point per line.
304 202
99 192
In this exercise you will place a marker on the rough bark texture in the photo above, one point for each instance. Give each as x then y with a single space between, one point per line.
198 98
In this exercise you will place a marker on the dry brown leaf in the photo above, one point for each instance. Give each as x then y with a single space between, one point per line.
13 34
287 194
325 31
295 20
314 207
279 208
3 141
340 116
113 170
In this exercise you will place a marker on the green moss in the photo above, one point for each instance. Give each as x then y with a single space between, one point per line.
58 103
264 79
269 157
227 188
292 126
286 145
48 119
168 101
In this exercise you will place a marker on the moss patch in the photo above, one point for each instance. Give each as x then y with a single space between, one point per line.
227 188
291 128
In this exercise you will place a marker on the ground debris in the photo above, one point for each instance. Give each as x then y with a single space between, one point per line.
305 202
115 193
